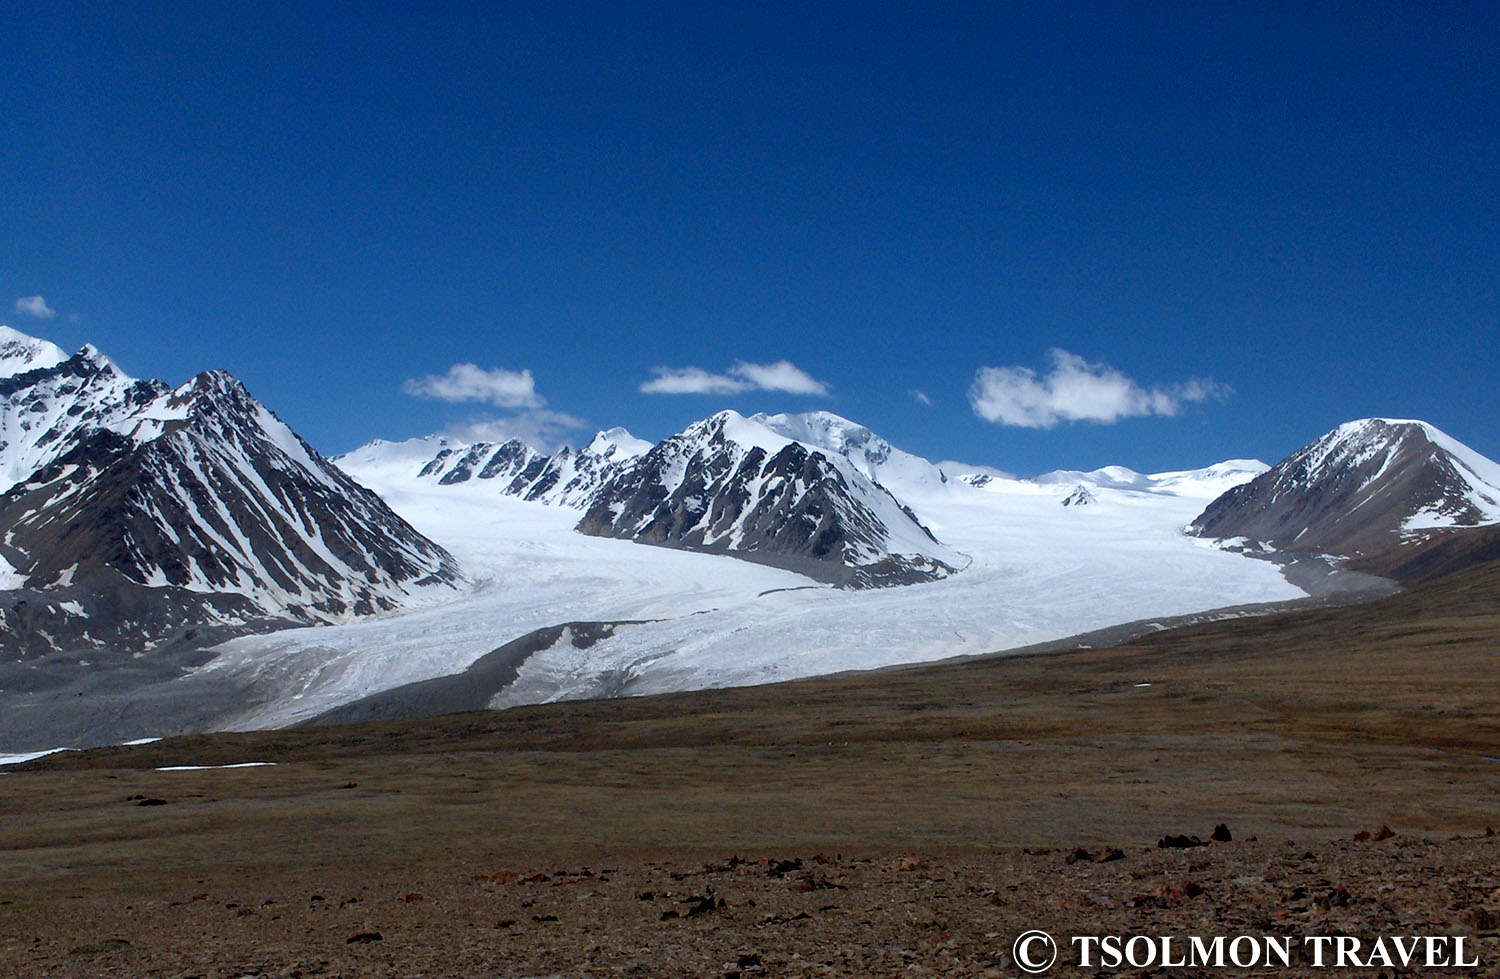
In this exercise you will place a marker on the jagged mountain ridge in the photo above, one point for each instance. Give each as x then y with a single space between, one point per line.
48 405
153 511
1360 489
567 478
815 508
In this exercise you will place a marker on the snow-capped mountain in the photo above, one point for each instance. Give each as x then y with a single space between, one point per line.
1080 497
907 476
135 511
1075 486
1208 482
48 404
1359 490
735 485
566 478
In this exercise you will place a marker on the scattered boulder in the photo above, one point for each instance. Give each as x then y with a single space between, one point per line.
1178 842
1482 919
702 905
1221 834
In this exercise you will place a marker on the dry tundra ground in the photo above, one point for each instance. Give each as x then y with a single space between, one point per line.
935 812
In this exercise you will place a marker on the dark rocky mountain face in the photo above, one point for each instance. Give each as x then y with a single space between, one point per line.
1360 490
729 485
1080 497
156 513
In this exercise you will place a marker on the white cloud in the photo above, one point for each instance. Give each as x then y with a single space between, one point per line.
466 382
920 397
1077 390
783 376
780 376
691 380
35 306
541 428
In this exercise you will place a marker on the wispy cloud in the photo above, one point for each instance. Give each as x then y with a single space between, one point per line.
1077 390
35 306
467 382
691 380
527 417
541 428
782 376
919 396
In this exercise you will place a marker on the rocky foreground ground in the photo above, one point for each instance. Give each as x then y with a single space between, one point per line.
950 913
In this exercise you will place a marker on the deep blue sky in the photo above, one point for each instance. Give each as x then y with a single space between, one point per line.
1295 201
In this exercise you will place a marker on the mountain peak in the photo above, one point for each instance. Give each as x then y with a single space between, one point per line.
1360 489
735 485
619 442
20 353
217 383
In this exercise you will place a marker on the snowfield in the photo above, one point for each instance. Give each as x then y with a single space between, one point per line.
1037 571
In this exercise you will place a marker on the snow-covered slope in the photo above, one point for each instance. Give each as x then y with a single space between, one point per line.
20 353
910 478
1205 483
140 511
46 409
1359 489
734 485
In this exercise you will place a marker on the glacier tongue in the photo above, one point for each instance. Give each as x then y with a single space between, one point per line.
1039 572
